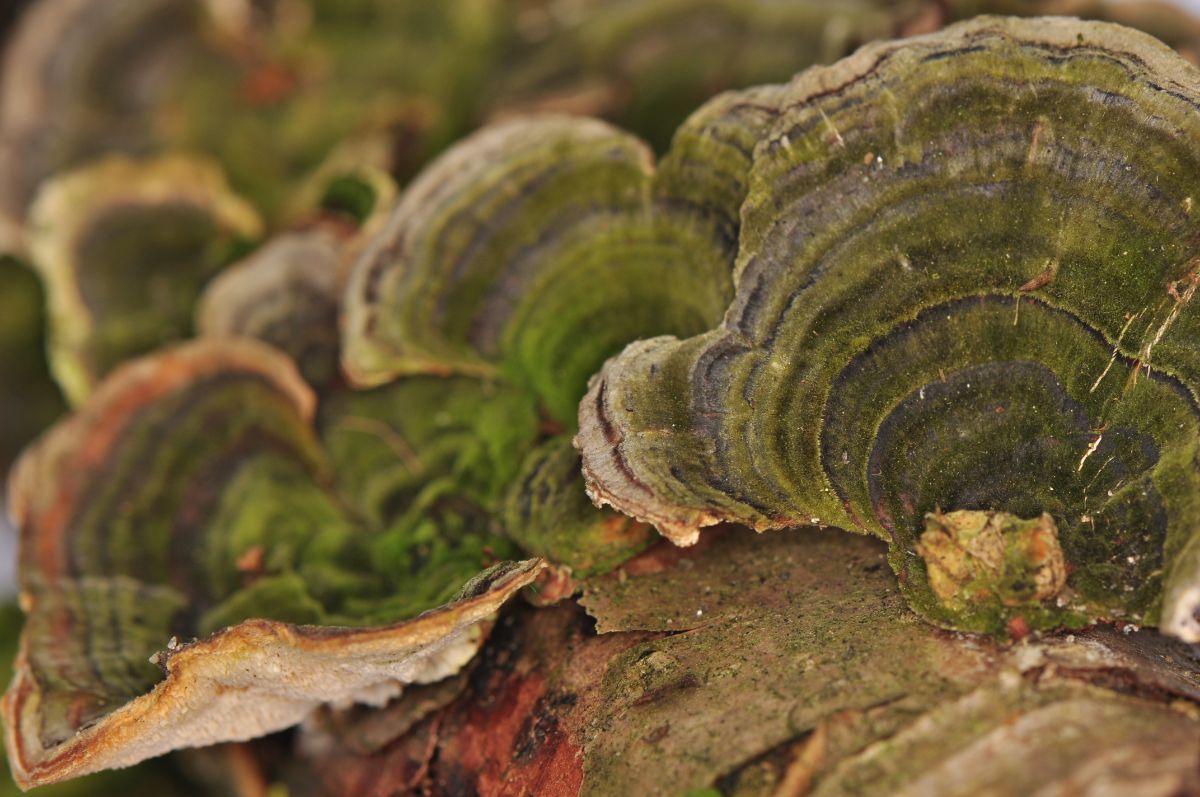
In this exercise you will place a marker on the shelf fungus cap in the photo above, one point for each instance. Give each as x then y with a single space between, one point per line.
77 80
966 266
124 247
285 293
534 249
441 243
253 679
187 499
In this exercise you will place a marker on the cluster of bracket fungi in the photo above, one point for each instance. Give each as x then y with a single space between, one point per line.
395 465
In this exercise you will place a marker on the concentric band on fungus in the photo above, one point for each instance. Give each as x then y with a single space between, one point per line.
965 278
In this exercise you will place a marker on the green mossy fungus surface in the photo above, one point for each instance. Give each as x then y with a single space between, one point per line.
29 399
524 257
390 444
180 511
964 281
140 270
147 551
534 250
425 462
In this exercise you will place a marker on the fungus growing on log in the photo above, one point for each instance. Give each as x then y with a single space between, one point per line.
188 496
524 257
964 281
940 293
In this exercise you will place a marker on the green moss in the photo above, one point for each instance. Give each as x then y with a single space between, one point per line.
30 400
349 195
283 597
387 444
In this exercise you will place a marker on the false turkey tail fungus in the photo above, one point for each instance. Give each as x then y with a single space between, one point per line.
136 517
964 282
924 319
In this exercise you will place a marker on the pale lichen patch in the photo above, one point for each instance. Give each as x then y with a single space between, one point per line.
977 556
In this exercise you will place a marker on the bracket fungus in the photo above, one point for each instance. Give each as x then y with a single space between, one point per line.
940 293
124 247
188 496
525 256
964 281
248 680
285 294
80 80
491 261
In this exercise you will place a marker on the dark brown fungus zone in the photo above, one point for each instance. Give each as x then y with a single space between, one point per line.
964 277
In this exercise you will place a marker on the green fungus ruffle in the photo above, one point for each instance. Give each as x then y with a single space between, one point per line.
124 248
191 494
965 276
521 260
